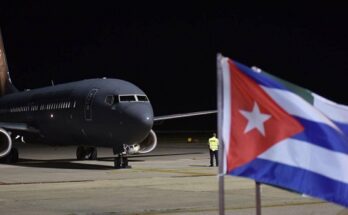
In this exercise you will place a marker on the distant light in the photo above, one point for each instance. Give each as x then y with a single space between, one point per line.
147 118
104 77
256 69
51 115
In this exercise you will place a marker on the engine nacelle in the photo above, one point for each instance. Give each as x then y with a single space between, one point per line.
146 146
5 143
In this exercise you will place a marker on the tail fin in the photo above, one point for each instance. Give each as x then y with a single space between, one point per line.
6 86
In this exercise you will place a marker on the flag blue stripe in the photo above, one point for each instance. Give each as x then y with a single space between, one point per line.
260 79
323 135
342 126
296 179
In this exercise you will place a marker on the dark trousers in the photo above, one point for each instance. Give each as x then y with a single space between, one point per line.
212 154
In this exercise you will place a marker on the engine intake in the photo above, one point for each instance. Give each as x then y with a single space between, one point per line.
146 146
5 143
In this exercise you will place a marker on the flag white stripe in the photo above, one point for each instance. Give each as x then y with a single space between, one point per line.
336 112
304 155
226 123
297 106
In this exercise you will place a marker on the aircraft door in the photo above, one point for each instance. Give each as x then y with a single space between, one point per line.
89 103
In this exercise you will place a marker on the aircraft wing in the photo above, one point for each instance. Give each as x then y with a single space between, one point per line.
183 115
18 127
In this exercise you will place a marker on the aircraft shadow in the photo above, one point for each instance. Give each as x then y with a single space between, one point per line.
130 158
71 163
60 164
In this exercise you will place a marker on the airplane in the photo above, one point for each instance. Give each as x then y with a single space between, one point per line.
89 113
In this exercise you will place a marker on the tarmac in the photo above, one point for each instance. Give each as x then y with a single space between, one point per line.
173 179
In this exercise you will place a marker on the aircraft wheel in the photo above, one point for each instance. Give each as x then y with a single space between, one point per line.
80 153
12 157
125 162
117 162
93 155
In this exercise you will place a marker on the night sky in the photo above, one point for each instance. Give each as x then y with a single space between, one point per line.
169 49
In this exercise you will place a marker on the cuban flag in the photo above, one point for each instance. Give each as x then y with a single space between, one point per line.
280 134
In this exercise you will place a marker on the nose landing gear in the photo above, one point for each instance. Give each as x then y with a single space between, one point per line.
121 158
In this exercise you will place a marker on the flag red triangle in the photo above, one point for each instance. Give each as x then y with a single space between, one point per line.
247 143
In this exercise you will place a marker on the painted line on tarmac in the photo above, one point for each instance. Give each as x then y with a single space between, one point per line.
191 173
228 209
43 182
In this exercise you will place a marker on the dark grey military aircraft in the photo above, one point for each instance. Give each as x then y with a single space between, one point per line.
89 113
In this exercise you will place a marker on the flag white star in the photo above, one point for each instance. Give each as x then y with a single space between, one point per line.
256 119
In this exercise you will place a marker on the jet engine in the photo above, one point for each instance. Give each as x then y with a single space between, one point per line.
146 146
5 143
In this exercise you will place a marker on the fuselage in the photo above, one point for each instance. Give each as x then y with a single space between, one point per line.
96 112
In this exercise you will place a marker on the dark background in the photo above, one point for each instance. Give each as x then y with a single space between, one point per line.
169 49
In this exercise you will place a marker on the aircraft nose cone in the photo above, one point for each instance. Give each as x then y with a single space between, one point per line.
141 118
145 119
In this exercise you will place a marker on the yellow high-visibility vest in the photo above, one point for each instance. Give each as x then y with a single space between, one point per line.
213 143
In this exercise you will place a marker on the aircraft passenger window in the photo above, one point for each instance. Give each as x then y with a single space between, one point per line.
142 98
127 98
109 99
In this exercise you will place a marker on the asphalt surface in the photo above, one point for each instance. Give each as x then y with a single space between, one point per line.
173 179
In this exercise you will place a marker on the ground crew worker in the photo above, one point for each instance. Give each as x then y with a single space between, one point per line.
213 149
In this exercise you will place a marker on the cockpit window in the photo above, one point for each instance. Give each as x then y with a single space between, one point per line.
110 99
127 98
142 98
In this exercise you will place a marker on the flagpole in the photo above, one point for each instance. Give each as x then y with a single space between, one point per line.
221 145
258 197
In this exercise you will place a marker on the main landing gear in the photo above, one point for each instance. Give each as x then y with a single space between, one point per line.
86 153
90 153
12 157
